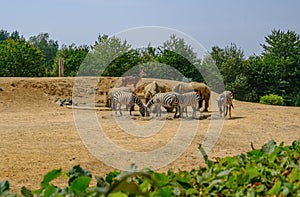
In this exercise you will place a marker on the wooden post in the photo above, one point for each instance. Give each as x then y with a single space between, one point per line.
61 67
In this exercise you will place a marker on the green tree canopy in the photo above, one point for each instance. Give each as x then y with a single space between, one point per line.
4 35
19 58
47 46
230 62
179 55
282 55
73 58
105 51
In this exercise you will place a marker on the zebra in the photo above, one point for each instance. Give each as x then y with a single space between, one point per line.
189 99
225 103
127 98
169 99
111 92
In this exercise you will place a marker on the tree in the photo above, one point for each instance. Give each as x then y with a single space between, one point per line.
19 58
281 52
230 62
47 46
4 35
73 58
125 64
15 35
149 54
103 53
179 55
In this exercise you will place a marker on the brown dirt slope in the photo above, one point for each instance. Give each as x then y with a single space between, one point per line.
37 135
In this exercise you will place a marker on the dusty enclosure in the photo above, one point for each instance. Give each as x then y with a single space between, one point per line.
38 135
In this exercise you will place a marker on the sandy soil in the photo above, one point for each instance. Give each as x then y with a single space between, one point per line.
37 135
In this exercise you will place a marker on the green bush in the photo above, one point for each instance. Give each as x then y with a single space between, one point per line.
271 99
272 170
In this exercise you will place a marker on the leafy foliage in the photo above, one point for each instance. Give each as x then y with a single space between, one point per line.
73 58
271 170
20 58
48 47
275 71
271 99
181 56
103 53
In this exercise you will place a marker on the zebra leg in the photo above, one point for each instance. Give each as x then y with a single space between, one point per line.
226 111
194 111
158 110
181 111
186 114
177 110
131 106
113 106
223 111
120 109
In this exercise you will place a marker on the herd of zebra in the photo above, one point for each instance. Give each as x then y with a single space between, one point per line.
169 100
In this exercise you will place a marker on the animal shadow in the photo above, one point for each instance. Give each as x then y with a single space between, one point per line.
235 118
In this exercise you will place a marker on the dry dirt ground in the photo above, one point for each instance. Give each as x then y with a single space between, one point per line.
37 135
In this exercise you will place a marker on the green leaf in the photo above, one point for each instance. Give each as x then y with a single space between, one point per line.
117 194
166 191
4 188
224 172
192 191
76 172
275 189
285 191
80 184
26 192
49 191
50 176
252 172
125 186
269 147
109 178
295 144
145 186
208 162
257 153
294 175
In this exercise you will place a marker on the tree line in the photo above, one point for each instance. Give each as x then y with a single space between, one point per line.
275 71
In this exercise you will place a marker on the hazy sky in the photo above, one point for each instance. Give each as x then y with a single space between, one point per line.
212 23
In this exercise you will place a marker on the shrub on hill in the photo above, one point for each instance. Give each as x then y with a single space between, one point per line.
271 99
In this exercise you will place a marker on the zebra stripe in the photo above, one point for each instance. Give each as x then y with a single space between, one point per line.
109 99
188 99
126 98
168 99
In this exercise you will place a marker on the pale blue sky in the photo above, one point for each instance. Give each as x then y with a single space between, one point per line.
212 23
